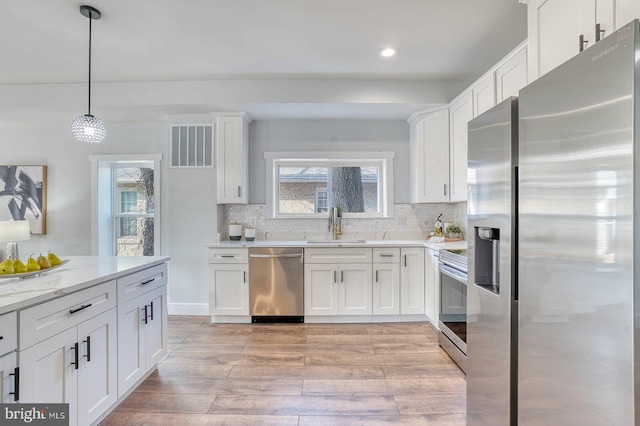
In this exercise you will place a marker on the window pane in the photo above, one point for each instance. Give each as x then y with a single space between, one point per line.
135 188
355 189
134 236
297 188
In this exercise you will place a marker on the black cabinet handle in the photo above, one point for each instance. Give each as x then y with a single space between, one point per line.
405 260
599 33
244 274
146 321
151 316
75 355
334 277
16 384
582 42
73 311
147 281
376 275
341 276
1 337
88 355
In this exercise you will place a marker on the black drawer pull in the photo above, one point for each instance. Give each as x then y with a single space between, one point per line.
151 316
16 384
1 337
73 311
88 355
386 255
75 356
148 281
228 256
146 320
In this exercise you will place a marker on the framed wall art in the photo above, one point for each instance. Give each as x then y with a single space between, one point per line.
23 195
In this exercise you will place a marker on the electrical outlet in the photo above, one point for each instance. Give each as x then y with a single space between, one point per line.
252 221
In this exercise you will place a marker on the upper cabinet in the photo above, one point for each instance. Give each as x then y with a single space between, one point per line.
511 75
484 93
232 158
560 29
429 152
460 113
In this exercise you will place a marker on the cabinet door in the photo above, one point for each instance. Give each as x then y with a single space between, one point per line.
355 289
386 288
97 375
47 375
461 113
131 341
321 289
231 160
432 285
554 28
228 289
155 330
412 281
8 366
484 94
512 75
430 158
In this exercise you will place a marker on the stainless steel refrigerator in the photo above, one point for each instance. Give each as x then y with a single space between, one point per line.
575 280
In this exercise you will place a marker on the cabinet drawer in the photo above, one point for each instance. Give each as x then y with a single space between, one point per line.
337 255
386 255
138 283
229 255
43 321
8 333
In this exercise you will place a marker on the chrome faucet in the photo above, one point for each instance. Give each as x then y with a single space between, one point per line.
335 222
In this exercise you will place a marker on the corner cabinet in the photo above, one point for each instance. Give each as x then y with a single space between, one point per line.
412 280
432 285
560 29
232 158
429 149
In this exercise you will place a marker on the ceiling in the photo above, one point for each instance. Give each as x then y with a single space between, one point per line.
205 40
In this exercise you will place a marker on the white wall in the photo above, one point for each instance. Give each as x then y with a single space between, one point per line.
188 210
328 135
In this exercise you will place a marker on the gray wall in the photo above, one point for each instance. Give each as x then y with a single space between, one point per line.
330 136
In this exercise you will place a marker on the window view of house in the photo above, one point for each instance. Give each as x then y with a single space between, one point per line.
317 189
134 211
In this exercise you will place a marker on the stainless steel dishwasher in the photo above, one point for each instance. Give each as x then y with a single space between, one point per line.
276 284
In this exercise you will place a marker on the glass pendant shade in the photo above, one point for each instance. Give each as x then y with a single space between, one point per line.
87 128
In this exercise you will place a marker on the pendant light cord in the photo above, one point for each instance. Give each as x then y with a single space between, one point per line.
89 107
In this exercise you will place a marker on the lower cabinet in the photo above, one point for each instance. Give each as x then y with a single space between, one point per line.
142 336
386 289
8 378
337 289
228 289
77 366
432 286
412 281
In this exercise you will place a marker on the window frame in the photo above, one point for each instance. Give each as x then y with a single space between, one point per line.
382 159
105 202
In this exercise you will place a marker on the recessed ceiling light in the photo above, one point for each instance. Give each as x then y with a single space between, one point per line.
387 52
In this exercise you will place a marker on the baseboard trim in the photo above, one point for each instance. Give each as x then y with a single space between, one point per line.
188 308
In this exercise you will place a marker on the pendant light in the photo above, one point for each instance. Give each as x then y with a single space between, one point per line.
87 128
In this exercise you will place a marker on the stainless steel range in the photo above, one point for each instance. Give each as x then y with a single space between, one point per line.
453 305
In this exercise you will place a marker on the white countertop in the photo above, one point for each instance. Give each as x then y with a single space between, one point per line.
79 273
455 245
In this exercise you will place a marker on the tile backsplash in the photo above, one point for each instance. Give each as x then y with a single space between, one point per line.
410 221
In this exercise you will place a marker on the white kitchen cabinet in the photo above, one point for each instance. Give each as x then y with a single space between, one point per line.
560 29
429 153
460 113
386 281
229 283
484 93
511 75
142 336
8 378
412 280
77 366
232 158
338 281
432 285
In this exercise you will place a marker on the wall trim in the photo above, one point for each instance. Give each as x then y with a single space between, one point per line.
188 308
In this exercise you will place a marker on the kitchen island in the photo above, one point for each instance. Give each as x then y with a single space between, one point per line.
86 333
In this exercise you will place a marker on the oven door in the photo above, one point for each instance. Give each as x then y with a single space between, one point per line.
453 306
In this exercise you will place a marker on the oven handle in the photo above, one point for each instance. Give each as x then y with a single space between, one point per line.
453 273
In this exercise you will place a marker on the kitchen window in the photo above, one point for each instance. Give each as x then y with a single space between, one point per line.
308 184
125 199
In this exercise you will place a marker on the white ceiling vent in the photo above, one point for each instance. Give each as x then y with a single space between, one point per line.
192 146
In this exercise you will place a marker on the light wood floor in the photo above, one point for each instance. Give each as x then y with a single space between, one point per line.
307 374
